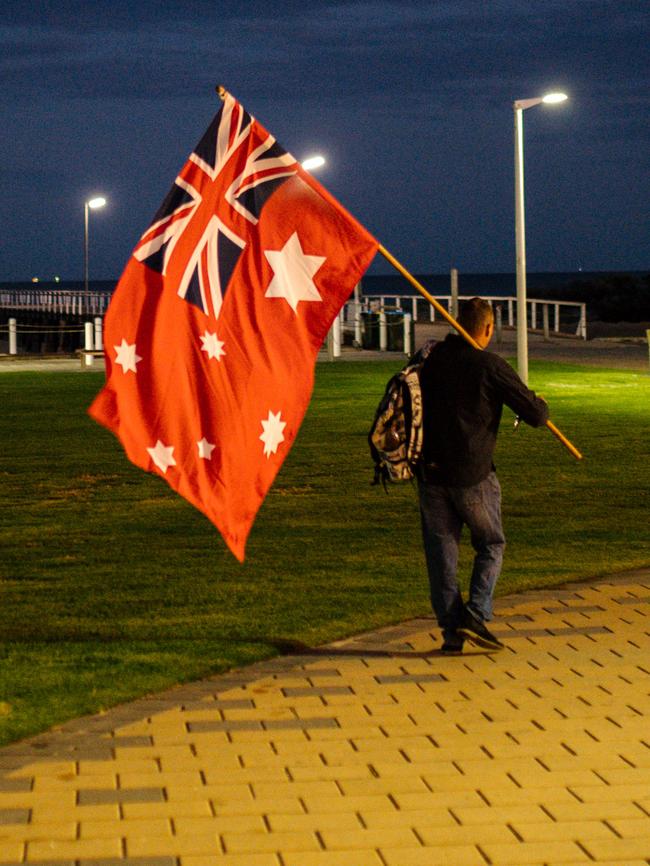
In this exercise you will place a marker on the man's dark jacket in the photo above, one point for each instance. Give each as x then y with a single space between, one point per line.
463 393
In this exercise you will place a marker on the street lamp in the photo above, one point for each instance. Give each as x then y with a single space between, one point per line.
520 229
92 204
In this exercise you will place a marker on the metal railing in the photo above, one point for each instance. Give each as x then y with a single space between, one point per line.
559 316
66 301
567 316
21 338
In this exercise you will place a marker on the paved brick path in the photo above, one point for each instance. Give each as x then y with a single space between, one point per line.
375 751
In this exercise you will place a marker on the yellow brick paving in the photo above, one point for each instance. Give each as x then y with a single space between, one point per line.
375 751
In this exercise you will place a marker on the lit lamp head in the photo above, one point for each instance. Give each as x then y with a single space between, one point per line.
549 99
313 162
553 98
95 203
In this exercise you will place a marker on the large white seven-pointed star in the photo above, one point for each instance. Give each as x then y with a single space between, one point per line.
205 449
292 273
212 345
126 356
162 455
272 435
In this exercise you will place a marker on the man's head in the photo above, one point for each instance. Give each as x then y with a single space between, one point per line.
477 319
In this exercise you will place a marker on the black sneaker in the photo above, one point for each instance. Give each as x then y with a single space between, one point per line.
452 643
451 649
475 631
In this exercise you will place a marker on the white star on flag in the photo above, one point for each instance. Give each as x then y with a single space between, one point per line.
205 449
126 356
162 455
272 435
292 273
212 345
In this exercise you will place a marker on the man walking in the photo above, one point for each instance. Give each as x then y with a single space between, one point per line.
464 390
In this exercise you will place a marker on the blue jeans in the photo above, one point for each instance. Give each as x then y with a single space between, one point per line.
444 511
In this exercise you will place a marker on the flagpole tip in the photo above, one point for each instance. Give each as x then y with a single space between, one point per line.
221 90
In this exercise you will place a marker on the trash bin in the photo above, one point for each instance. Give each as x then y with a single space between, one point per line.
395 331
369 330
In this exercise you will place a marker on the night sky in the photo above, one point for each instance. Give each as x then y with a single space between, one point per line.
410 103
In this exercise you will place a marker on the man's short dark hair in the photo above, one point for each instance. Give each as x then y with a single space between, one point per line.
474 315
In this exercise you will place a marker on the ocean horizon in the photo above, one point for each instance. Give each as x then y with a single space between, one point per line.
500 284
486 284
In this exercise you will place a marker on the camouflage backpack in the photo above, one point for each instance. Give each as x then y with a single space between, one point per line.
396 435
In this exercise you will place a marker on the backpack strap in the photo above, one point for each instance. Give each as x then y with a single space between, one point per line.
416 435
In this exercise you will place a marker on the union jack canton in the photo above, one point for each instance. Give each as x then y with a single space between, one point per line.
200 230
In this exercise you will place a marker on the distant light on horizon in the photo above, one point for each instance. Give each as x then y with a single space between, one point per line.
552 98
94 203
34 279
313 162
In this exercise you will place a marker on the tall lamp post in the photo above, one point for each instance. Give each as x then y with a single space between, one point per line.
91 204
334 333
520 229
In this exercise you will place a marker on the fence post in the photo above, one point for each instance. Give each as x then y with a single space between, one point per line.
13 337
414 307
582 324
356 341
383 331
454 293
511 313
99 338
545 320
557 318
88 343
336 336
498 323
407 335
357 324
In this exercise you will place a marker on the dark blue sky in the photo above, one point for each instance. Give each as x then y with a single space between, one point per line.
411 103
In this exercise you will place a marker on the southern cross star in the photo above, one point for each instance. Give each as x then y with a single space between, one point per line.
293 271
272 435
162 455
126 356
205 449
212 345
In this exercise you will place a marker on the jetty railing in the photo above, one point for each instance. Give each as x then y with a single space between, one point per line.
68 302
563 317
542 314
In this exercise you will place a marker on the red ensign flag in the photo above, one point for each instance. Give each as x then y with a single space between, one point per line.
212 333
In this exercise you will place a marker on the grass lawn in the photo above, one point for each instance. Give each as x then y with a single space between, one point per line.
113 586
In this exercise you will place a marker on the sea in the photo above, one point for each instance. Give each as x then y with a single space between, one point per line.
488 284
482 284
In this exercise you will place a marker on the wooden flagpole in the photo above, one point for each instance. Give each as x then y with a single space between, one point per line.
438 306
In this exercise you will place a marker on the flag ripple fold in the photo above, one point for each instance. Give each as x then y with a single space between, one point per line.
213 331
